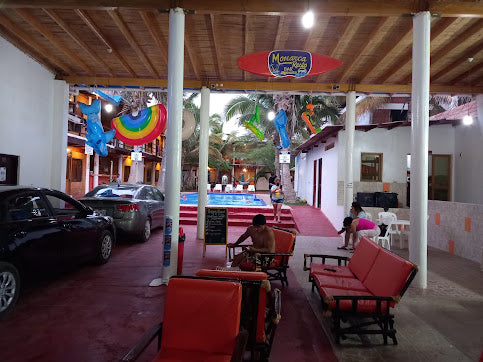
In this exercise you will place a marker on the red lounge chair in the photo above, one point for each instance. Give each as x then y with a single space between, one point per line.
274 264
201 323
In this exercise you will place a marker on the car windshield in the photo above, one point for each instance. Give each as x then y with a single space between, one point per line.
125 192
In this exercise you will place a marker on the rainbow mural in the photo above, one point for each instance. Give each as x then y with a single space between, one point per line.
143 127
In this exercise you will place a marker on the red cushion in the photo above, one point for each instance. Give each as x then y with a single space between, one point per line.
262 296
201 315
366 306
176 355
363 258
339 283
231 274
284 241
340 271
388 274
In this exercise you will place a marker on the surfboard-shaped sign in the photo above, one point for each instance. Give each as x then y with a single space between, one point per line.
287 63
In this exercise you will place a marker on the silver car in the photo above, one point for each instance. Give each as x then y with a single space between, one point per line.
136 209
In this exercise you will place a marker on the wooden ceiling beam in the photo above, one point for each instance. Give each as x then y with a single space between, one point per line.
216 45
469 53
28 50
387 51
451 45
278 43
402 60
79 41
31 42
95 29
42 29
246 42
122 26
272 87
342 32
191 54
150 22
357 55
477 66
444 8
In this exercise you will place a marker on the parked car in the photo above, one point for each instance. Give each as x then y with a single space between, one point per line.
136 209
42 229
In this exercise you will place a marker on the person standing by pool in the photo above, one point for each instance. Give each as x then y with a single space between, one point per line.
262 237
276 196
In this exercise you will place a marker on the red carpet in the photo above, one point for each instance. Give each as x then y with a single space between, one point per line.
312 222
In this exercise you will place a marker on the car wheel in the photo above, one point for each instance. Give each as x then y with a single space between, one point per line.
9 288
146 231
104 247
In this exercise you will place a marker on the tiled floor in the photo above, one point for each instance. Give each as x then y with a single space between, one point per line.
97 313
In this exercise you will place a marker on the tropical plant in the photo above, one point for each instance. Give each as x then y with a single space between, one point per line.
325 110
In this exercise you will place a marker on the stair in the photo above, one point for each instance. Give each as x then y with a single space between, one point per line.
241 216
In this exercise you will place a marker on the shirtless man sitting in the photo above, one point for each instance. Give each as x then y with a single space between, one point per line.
262 237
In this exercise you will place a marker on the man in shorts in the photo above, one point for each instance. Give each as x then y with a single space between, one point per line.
262 237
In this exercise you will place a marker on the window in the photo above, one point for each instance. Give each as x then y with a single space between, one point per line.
63 208
26 206
371 167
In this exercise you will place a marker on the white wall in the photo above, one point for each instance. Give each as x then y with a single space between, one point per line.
467 166
394 144
32 111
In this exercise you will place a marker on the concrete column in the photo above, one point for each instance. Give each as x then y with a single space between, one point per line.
96 170
350 124
173 143
203 161
418 239
153 173
87 174
120 169
60 113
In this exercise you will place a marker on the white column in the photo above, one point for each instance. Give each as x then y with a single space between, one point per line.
203 161
418 239
173 143
153 173
350 124
120 169
60 112
87 173
96 170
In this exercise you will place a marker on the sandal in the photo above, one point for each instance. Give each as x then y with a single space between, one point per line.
342 247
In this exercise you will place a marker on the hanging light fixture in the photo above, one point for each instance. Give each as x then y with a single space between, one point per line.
467 120
271 115
308 19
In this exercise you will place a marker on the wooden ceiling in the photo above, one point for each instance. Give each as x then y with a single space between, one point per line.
125 43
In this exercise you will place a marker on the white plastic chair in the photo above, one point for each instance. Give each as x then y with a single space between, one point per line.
217 188
229 188
368 215
385 240
251 188
239 188
208 187
389 219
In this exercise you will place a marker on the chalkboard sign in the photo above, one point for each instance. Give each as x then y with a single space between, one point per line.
216 226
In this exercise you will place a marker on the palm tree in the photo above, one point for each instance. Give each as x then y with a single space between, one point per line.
325 109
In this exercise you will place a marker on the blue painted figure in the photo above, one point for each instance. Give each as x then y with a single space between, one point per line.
280 122
96 137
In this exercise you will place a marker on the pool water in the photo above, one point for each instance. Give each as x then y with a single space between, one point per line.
223 199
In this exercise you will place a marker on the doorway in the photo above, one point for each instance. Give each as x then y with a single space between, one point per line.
439 177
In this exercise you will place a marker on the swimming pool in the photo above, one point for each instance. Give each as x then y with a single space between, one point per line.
223 199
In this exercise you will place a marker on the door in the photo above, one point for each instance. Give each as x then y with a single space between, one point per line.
319 184
314 189
440 180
